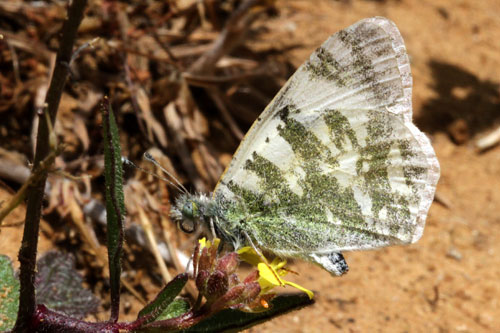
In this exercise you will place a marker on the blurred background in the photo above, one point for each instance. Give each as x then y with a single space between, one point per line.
186 80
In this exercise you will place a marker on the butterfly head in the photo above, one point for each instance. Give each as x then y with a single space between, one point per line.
190 211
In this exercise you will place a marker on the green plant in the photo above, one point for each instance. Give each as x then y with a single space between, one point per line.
48 295
224 303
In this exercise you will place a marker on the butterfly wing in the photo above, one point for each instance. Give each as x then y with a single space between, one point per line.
334 162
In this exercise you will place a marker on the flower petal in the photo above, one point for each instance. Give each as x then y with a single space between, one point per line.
203 242
307 291
248 254
216 242
278 263
269 275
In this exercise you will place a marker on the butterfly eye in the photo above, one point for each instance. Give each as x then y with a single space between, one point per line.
187 226
190 210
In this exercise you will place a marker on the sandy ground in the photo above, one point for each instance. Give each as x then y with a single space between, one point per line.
450 280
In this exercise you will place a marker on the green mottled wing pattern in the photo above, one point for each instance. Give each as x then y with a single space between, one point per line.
334 162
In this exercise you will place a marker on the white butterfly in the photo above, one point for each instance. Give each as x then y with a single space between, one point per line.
334 162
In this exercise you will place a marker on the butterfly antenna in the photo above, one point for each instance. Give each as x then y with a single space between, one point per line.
129 162
150 158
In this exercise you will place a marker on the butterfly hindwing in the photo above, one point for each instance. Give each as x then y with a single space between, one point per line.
334 162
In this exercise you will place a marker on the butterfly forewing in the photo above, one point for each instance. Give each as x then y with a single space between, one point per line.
334 162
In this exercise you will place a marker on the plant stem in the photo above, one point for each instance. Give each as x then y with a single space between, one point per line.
27 252
46 320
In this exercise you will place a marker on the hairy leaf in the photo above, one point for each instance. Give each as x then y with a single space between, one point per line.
9 294
175 309
115 207
235 320
59 286
160 305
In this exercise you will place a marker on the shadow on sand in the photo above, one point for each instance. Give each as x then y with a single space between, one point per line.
462 100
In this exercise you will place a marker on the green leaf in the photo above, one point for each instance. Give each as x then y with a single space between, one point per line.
236 321
160 305
115 207
9 294
59 286
175 309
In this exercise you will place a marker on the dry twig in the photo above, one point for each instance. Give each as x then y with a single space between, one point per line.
27 253
488 141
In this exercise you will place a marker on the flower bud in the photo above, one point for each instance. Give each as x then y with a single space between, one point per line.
252 290
196 257
229 298
217 285
201 281
252 277
228 263
204 260
233 280
212 253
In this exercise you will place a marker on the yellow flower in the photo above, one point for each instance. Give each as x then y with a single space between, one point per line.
206 243
269 274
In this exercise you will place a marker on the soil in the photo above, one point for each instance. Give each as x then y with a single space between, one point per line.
449 281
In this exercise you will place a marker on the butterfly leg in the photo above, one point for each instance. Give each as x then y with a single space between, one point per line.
255 248
333 262
212 228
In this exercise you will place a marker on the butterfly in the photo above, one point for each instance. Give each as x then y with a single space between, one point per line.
334 163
